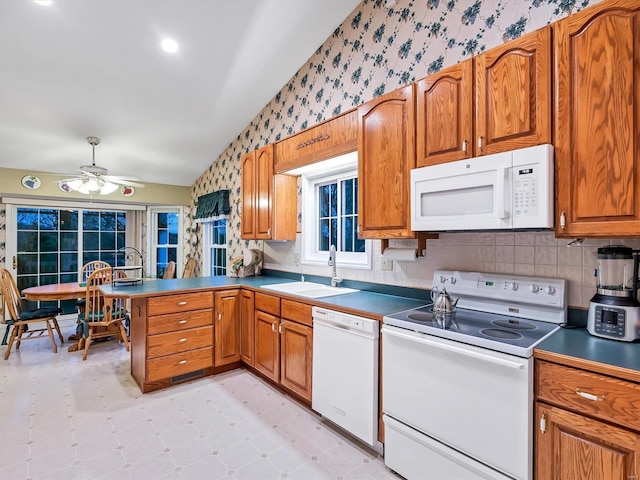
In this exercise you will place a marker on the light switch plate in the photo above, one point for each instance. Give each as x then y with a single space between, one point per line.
386 264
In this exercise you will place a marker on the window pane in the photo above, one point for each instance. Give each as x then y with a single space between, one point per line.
90 257
27 281
68 220
48 280
27 219
27 264
108 257
121 221
48 241
91 220
347 197
69 241
334 232
355 196
108 221
121 240
48 219
28 241
162 220
91 241
163 236
161 254
173 254
107 241
347 234
323 240
69 263
324 200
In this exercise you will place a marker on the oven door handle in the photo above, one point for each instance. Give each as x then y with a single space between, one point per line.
452 348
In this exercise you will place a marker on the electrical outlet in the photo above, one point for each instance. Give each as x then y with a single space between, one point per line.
386 264
296 258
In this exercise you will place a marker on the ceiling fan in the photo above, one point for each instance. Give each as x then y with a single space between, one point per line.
95 179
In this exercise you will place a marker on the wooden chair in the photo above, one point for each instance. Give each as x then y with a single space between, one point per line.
189 268
23 319
170 271
102 315
89 267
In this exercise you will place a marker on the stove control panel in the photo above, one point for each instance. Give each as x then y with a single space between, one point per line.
511 293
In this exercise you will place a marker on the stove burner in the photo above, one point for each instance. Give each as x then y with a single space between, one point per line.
514 324
498 333
423 317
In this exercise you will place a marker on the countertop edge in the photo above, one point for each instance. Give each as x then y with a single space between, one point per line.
589 365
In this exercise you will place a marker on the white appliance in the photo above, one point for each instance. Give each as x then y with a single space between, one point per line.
457 393
345 372
503 191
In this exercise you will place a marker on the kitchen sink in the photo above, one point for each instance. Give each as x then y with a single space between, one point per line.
308 289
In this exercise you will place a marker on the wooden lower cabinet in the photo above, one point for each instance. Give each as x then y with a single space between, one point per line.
227 327
247 327
296 347
267 350
572 446
587 424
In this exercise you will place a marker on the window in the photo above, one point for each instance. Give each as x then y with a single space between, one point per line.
215 246
330 213
166 240
50 244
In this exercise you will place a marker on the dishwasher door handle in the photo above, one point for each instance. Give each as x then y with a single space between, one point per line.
341 328
454 349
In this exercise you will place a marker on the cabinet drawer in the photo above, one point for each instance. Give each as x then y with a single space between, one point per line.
268 303
179 321
296 311
606 398
179 303
179 363
180 341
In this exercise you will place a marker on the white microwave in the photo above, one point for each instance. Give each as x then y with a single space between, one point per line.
502 191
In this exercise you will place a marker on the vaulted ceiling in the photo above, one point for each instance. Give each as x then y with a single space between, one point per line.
79 68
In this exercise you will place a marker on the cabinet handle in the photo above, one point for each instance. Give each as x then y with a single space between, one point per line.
268 232
563 221
464 147
182 340
182 362
280 329
182 304
273 327
219 316
591 396
480 142
182 322
543 423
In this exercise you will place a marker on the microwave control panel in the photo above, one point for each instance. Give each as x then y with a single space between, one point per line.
525 190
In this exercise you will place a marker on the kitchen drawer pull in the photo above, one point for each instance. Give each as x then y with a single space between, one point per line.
591 396
182 322
182 340
182 304
480 142
464 147
182 362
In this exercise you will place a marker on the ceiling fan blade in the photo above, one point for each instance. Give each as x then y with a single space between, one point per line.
123 181
67 179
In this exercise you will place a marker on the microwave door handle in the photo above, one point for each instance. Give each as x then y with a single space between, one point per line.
501 211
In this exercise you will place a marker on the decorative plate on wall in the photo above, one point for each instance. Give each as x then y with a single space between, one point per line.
127 190
31 182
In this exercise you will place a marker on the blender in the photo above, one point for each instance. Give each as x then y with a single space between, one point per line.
614 311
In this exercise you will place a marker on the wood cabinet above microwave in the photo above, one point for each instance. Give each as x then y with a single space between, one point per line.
511 88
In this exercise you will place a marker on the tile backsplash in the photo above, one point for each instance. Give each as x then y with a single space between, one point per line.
520 253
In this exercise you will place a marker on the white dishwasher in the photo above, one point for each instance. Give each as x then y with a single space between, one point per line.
345 372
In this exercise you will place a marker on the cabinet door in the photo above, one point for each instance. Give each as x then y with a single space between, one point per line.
597 129
386 151
227 327
267 349
513 94
264 192
248 326
444 115
296 346
573 446
247 220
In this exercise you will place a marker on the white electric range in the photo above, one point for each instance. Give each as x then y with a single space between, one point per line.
458 388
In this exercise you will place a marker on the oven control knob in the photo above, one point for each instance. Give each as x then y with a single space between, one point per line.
533 288
514 286
550 289
443 279
452 280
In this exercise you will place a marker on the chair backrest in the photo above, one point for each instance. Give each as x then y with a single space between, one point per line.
10 294
89 267
170 271
99 308
189 268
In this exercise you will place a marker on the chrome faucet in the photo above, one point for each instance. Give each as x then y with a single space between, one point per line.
335 279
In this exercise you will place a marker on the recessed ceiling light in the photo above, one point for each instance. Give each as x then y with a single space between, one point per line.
43 2
169 45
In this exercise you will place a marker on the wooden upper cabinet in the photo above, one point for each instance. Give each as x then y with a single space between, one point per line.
336 136
597 132
386 155
513 94
444 115
227 327
269 201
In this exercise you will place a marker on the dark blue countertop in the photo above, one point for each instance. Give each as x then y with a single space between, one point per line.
367 303
579 344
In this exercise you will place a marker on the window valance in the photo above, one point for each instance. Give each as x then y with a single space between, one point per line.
213 205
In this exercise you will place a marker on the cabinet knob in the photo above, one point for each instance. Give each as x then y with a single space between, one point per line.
182 362
182 322
464 147
182 304
182 340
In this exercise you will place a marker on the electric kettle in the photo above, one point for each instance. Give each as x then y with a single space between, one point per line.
443 302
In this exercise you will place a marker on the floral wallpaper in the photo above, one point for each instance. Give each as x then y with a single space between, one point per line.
375 50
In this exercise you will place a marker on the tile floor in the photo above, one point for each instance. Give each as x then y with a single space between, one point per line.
63 418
